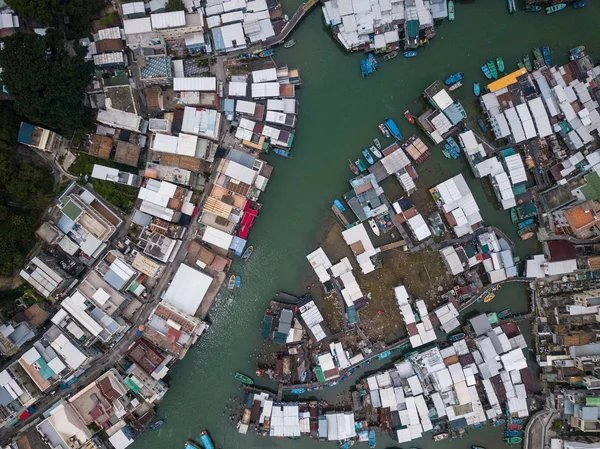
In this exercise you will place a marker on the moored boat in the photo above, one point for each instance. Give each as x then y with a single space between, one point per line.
455 86
409 117
520 64
512 7
477 447
502 315
526 235
373 62
393 129
513 440
339 205
493 69
282 152
512 433
384 130
441 436
266 53
247 253
527 63
547 55
476 89
390 55
514 427
516 421
374 227
368 156
298 390
451 11
579 49
481 125
555 8
409 54
371 438
347 444
580 4
189 444
499 422
486 71
537 54
525 223
452 144
384 355
489 297
456 337
353 167
290 43
533 8
500 63
446 153
231 283
363 68
243 378
157 424
206 441
373 149
361 165
454 78
238 281
377 143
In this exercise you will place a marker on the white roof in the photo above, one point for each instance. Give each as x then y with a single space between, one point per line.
135 26
515 124
132 8
187 289
200 84
516 169
265 75
105 173
76 306
452 260
237 89
245 107
119 440
114 32
168 20
264 90
240 172
217 237
165 143
157 192
320 263
419 227
120 119
186 144
359 233
526 120
442 99
68 351
541 117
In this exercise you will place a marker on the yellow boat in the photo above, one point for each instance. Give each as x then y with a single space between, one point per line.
489 297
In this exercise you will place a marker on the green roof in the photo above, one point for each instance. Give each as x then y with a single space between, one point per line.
44 370
592 401
319 373
507 152
412 28
280 338
352 315
591 190
132 385
71 210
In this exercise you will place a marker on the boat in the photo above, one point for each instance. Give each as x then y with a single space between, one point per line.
579 49
339 205
512 433
493 69
500 63
243 378
455 86
230 300
409 117
520 64
547 55
527 63
516 421
189 444
522 212
363 68
440 436
377 143
513 440
231 283
353 167
533 8
512 7
486 71
555 8
456 337
384 355
374 227
373 149
489 297
454 78
514 427
390 55
446 153
477 447
384 130
393 129
481 125
206 441
526 235
371 438
452 144
502 315
451 11
498 422
290 43
347 444
580 4
537 54
266 53
156 424
373 62
368 156
476 89
247 253
525 223
238 281
409 54
298 390
282 152
361 165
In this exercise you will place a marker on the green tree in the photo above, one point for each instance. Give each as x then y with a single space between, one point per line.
174 5
9 125
47 83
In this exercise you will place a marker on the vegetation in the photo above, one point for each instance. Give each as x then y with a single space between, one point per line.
174 5
47 83
9 125
25 191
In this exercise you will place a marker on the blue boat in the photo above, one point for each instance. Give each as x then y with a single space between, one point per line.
363 68
481 125
450 141
452 148
368 156
206 441
282 152
547 56
266 53
454 78
373 62
516 421
512 433
361 165
486 71
476 89
371 438
499 422
410 54
580 4
393 129
238 281
157 424
339 205
384 355
525 223
298 390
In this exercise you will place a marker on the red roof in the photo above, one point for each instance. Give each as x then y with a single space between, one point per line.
247 221
561 250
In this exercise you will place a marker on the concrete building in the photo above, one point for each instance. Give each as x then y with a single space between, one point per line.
39 138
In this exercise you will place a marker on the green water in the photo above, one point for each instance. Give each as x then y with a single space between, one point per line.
339 113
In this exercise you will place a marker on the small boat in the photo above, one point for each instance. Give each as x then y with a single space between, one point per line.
373 149
243 379
489 297
353 167
377 143
555 8
409 117
189 444
373 62
502 315
384 355
454 78
476 89
361 165
393 129
247 253
440 436
230 300
368 156
577 50
500 64
516 421
238 281
547 56
512 7
493 69
282 152
498 422
231 283
290 43
339 205
266 53
456 337
580 4
452 146
537 56
477 447
390 55
520 64
371 438
533 8
156 424
409 54
513 440
481 125
374 227
446 153
512 433
451 11
364 71
527 63
525 223
513 426
455 86
347 444
526 235
486 71
298 390
384 130
206 441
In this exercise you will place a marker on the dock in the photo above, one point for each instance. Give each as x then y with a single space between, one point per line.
340 216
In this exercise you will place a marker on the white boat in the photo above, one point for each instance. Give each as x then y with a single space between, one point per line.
374 226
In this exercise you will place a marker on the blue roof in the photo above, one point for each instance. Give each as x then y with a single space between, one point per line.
229 105
454 113
569 407
113 279
218 39
25 133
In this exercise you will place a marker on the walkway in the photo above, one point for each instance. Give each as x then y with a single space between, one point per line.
289 27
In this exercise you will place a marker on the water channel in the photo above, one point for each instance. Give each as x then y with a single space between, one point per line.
339 113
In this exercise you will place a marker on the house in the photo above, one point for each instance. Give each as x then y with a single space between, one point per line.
458 204
45 274
116 118
39 138
580 220
63 428
115 175
358 240
188 289
17 393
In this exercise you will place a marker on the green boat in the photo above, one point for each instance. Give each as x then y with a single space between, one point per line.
533 8
513 440
500 64
243 379
527 62
537 54
520 64
555 8
451 11
493 69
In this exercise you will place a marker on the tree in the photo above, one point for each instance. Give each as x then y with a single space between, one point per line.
9 125
174 5
47 83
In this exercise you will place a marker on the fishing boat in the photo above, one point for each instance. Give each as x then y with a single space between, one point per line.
353 167
489 297
361 165
247 253
500 63
555 8
371 438
486 71
481 125
526 235
523 212
547 56
390 55
409 117
525 223
512 433
498 422
454 78
512 7
580 4
231 283
455 86
476 89
377 143
384 355
189 444
441 436
533 8
206 441
456 337
243 378
347 444
363 68
520 64
446 153
513 440
156 424
502 315
579 49
514 427
393 129
451 11
266 53
493 69
373 62
374 227
290 43
384 130
298 390
516 421
282 152
368 156
373 149
238 281
527 63
452 144
409 54
537 54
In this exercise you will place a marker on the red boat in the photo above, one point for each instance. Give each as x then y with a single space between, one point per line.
409 117
514 427
354 168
